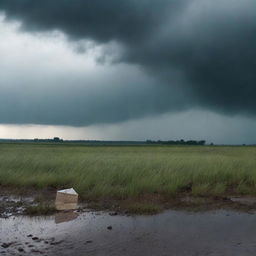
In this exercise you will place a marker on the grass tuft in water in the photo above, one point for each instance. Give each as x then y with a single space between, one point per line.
40 209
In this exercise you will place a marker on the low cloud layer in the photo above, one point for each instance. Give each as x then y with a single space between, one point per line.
190 53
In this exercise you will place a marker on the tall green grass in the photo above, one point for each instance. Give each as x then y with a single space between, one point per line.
130 171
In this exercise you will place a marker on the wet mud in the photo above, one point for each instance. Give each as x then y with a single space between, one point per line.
14 205
194 226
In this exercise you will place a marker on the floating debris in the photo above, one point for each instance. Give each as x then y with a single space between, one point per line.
66 199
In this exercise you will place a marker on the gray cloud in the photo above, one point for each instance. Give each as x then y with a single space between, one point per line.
208 45
79 105
126 21
69 91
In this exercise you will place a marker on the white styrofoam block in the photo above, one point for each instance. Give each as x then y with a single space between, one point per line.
68 191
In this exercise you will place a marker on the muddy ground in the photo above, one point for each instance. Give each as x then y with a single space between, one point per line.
15 202
190 226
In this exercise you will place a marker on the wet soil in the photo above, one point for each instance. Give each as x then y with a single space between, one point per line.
13 205
217 226
16 202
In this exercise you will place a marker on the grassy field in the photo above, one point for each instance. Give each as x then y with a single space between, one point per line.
129 171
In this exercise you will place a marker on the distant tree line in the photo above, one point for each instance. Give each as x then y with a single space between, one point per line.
178 142
55 139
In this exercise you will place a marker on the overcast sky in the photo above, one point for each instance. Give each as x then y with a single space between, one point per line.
128 70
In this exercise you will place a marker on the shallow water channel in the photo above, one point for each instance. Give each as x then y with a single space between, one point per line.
98 233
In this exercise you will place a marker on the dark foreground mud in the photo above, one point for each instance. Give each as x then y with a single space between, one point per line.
14 205
219 232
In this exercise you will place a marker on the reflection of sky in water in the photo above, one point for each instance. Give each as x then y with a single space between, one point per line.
172 232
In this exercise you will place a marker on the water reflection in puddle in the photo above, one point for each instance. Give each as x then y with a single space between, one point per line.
65 216
170 233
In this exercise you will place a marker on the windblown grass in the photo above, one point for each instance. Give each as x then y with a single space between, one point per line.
130 171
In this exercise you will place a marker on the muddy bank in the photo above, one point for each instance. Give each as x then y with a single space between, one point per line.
17 201
39 204
181 233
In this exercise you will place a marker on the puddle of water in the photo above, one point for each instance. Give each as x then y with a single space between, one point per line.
180 233
65 217
16 199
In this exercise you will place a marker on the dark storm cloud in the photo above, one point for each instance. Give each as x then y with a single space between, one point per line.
210 44
128 21
78 105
